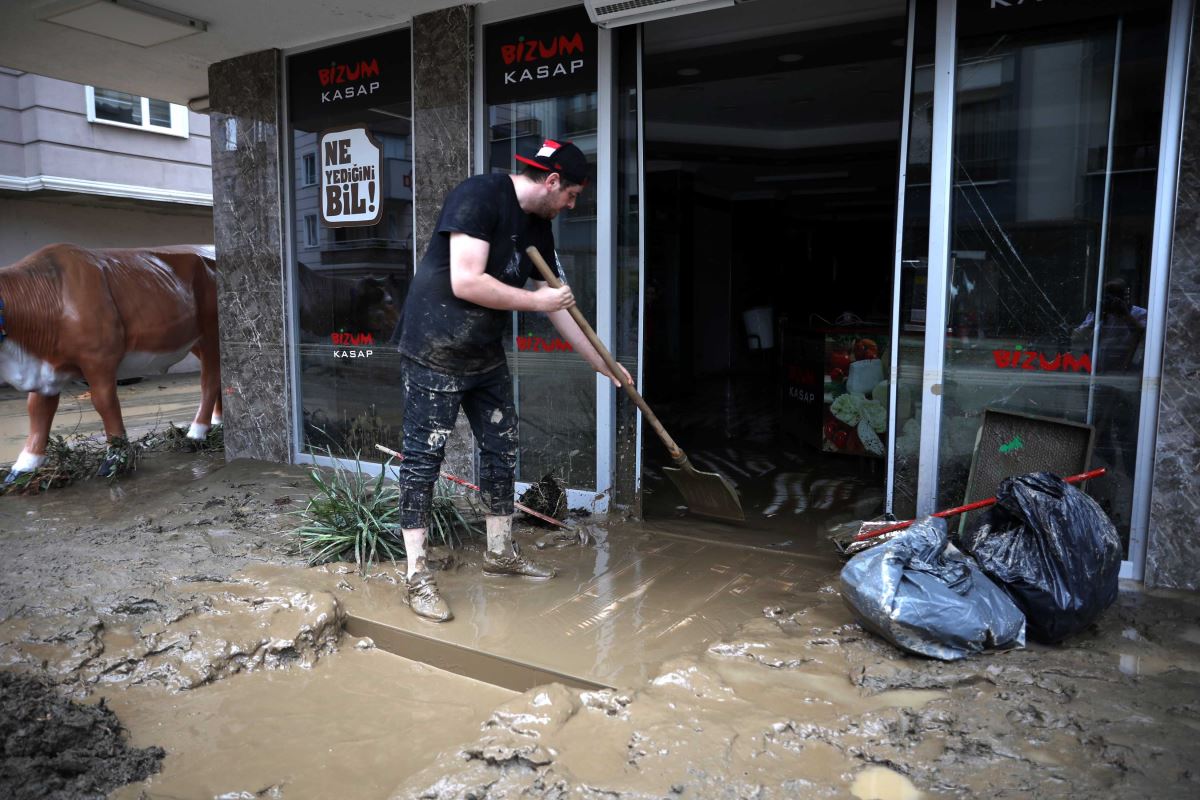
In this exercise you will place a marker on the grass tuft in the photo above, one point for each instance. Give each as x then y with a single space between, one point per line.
353 516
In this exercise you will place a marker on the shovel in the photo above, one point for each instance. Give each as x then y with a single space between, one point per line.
706 493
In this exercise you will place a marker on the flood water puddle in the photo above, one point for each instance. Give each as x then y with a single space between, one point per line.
353 726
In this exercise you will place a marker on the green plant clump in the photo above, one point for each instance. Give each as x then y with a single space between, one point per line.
355 516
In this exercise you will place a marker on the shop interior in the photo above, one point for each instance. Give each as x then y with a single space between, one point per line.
772 144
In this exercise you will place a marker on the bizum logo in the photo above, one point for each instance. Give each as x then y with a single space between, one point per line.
344 339
336 73
532 51
537 344
1019 358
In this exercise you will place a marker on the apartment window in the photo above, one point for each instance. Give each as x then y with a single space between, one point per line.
110 107
310 169
311 236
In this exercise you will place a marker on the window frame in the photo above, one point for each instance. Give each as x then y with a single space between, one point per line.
179 116
311 227
309 176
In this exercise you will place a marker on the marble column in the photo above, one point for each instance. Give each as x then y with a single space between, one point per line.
1173 549
245 97
442 101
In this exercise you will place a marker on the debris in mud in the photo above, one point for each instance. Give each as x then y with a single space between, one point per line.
53 747
76 457
236 627
355 516
548 497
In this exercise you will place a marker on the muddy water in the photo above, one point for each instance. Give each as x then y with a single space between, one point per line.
351 727
802 702
735 671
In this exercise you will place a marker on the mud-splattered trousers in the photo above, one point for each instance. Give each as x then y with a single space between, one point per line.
431 402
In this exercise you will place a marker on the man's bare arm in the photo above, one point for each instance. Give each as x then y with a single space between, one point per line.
565 324
469 281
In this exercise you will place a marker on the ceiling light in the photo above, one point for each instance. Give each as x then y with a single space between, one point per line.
129 21
687 72
791 58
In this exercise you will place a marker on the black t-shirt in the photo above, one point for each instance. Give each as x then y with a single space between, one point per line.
447 333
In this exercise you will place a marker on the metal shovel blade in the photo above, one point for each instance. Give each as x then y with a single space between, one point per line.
707 494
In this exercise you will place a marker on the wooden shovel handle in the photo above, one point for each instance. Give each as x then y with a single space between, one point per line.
549 277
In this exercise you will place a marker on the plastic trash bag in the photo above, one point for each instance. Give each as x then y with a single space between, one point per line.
1053 549
928 598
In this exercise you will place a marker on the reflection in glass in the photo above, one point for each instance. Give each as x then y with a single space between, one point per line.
351 281
555 389
1055 154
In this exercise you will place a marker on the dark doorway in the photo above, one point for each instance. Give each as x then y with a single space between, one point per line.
771 156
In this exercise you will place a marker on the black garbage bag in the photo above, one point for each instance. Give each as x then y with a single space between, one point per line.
1053 549
928 598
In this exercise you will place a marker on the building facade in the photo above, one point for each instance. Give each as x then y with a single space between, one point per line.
859 255
98 168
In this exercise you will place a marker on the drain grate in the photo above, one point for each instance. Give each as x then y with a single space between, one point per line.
475 664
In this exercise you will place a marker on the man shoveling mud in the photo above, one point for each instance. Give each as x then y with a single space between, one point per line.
473 274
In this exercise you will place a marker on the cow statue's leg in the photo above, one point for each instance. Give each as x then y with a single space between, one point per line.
41 410
108 406
209 413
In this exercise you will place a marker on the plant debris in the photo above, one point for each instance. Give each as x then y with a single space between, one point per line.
355 516
76 457
548 497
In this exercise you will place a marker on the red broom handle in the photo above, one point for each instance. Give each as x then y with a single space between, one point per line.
953 512
461 482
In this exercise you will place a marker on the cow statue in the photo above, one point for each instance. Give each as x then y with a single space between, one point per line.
67 313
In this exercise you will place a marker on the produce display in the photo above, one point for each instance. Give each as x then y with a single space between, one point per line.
856 394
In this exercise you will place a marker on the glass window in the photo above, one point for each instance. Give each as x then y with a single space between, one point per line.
555 389
351 280
1055 153
309 161
110 107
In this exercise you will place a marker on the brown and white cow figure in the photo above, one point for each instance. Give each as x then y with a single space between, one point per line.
67 312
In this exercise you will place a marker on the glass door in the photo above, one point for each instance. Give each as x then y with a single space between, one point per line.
1045 245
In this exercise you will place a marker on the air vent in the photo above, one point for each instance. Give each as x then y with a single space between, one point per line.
609 14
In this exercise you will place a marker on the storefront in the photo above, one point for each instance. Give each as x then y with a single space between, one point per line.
785 195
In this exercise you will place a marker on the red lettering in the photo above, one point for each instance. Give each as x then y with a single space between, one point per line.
524 343
548 52
569 46
1003 358
326 75
1081 364
1030 360
370 69
530 51
1050 366
352 73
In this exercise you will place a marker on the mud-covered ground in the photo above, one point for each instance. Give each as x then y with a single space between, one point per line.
145 595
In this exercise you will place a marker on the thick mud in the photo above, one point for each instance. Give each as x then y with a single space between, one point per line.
804 703
736 671
51 747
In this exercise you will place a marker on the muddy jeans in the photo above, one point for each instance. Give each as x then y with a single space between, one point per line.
431 402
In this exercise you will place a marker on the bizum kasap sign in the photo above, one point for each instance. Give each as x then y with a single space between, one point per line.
350 178
532 58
